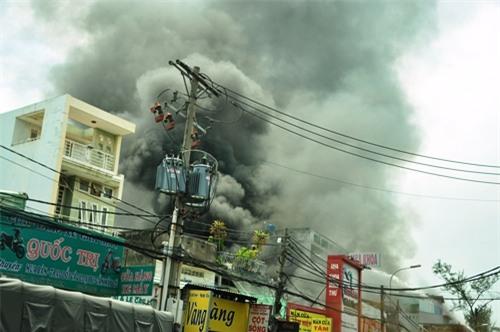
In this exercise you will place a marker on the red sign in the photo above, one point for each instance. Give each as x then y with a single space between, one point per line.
334 268
343 294
258 319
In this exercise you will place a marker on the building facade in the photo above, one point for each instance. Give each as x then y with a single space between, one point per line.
80 143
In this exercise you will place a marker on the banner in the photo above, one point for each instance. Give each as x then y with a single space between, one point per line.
258 318
38 249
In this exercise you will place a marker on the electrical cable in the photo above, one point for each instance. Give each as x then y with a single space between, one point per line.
102 237
84 193
349 136
71 207
369 158
378 189
491 272
364 149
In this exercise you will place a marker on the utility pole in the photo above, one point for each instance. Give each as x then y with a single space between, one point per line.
382 308
171 267
282 277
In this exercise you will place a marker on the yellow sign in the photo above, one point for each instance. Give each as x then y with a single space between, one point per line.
310 321
196 314
228 316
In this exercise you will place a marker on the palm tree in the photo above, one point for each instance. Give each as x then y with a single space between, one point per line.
218 232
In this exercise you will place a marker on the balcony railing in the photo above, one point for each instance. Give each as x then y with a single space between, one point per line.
88 155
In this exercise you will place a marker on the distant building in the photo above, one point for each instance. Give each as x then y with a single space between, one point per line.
430 311
80 141
317 245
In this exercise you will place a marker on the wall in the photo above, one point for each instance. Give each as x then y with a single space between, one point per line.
47 150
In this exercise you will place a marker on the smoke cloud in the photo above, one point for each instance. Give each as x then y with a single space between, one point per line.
329 62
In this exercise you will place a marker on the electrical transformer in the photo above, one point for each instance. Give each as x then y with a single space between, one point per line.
171 176
199 184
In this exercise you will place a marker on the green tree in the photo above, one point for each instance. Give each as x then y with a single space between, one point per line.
477 312
218 233
259 239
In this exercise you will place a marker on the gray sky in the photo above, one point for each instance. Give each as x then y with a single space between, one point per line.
450 80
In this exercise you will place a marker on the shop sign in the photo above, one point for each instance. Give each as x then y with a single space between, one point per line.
146 300
196 276
370 325
61 256
227 316
258 318
350 298
309 320
137 280
204 311
371 259
197 308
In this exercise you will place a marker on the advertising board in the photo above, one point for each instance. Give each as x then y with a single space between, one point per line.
197 308
37 249
137 280
258 318
350 278
227 316
309 319
196 276
342 293
204 312
372 259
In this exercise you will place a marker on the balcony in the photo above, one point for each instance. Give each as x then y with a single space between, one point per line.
88 155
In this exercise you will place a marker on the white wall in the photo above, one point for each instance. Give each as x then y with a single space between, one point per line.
47 150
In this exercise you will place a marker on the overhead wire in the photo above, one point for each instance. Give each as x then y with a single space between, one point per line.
365 157
364 149
68 186
346 135
324 177
482 275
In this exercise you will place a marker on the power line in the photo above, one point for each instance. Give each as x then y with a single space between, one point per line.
324 177
488 273
63 178
346 135
365 157
364 149
71 207
34 218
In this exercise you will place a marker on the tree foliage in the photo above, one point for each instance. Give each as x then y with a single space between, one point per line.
218 233
259 239
477 312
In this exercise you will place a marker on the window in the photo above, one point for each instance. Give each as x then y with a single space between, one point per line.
84 185
108 192
95 189
82 213
104 216
34 133
316 238
28 128
93 215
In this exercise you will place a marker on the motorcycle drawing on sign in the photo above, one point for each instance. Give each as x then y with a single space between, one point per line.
110 263
13 242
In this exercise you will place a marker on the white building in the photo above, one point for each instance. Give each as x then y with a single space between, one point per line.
78 140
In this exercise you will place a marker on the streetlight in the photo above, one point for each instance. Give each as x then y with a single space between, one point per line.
401 269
